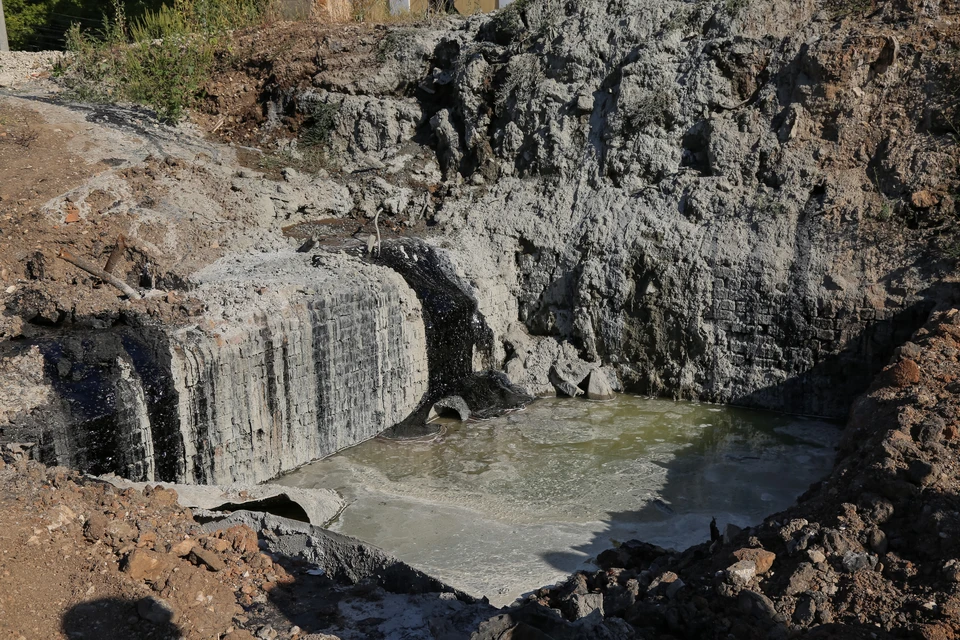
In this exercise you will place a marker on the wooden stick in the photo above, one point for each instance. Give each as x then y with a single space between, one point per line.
115 254
100 273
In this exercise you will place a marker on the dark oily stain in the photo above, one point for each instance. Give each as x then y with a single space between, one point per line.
150 353
98 377
454 327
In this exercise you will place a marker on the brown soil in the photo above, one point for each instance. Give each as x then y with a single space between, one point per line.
264 63
35 168
39 218
82 559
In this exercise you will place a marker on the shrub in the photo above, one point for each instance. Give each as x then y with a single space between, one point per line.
319 126
161 59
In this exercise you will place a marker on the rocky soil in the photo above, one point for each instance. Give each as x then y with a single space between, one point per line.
735 201
83 559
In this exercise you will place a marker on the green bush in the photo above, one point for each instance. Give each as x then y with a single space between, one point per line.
319 126
42 24
160 59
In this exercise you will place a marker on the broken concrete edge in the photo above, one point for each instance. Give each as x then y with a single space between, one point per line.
319 506
341 557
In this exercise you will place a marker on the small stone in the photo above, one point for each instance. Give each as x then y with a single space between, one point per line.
805 612
183 548
585 103
952 570
598 387
145 565
563 384
618 599
95 527
904 373
877 540
580 606
762 558
741 573
801 579
267 633
664 578
909 350
853 561
156 610
73 214
147 539
210 559
120 531
757 605
816 556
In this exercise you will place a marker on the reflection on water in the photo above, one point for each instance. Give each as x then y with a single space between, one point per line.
503 506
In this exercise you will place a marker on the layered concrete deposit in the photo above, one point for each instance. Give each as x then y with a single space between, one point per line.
301 366
287 365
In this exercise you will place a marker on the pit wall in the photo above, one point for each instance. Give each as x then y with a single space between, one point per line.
299 375
289 363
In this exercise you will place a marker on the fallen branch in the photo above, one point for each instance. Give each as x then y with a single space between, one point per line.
94 270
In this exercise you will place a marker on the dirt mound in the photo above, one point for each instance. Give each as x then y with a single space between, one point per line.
82 559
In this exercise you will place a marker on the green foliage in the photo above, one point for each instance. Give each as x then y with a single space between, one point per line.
42 24
160 59
886 210
319 127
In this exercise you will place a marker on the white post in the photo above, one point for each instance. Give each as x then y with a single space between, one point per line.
398 7
4 46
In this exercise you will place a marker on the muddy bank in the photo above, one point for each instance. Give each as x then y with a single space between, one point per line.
85 559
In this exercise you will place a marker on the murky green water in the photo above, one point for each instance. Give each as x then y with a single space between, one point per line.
501 507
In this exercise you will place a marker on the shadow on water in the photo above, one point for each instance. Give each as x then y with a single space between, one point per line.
114 618
734 470
868 352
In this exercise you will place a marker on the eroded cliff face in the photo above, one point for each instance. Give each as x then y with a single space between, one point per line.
741 202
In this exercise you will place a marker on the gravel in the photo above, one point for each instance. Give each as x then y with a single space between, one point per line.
20 67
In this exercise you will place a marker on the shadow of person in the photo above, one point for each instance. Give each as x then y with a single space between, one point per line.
112 618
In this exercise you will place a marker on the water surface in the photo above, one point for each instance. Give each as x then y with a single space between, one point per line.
501 507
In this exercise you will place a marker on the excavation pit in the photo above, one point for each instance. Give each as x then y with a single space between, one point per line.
500 507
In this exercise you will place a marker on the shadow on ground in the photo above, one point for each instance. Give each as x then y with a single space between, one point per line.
115 618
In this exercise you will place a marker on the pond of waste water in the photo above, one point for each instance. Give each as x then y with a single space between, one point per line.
504 506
